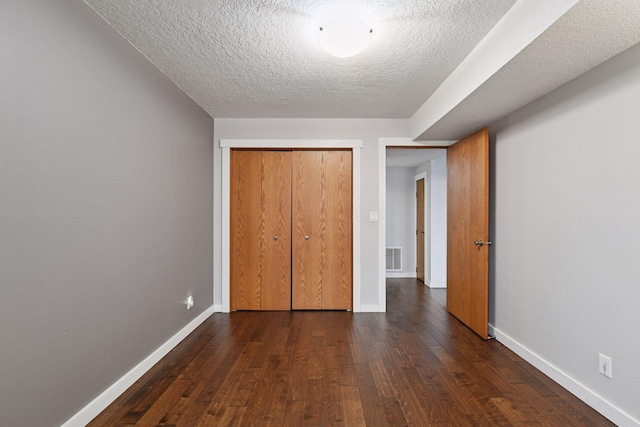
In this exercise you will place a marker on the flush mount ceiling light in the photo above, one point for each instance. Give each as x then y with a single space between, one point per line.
344 38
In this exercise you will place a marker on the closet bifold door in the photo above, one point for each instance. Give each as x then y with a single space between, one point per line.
260 230
322 277
276 209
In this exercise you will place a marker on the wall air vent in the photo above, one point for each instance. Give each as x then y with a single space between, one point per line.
394 259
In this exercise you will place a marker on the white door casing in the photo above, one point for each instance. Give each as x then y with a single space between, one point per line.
227 144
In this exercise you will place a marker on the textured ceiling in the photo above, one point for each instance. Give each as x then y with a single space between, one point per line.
260 58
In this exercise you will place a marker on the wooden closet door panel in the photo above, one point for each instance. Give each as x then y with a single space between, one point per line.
322 223
309 246
276 209
245 245
337 289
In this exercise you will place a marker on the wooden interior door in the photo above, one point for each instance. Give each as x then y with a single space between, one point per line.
420 235
322 268
260 230
276 239
468 231
246 250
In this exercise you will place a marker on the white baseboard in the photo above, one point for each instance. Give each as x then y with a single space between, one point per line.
97 405
369 308
400 275
597 402
217 308
436 285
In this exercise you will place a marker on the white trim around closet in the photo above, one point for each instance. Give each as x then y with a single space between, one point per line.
227 144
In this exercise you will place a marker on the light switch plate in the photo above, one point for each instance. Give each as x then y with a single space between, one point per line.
373 216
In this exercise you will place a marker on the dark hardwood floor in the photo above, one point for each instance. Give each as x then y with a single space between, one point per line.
414 365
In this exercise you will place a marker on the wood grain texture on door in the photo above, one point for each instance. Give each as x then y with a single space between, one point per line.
307 230
467 222
276 239
246 229
322 268
337 289
260 230
420 235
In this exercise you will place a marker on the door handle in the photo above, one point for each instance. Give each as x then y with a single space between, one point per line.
275 237
481 243
306 237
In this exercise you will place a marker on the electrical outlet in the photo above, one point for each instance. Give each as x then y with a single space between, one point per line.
189 302
605 365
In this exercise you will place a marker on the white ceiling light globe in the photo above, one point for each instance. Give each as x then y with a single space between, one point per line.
345 37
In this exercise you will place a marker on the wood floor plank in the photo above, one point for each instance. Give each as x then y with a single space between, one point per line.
432 400
313 403
510 411
332 399
173 413
371 402
245 388
394 413
232 416
415 365
167 400
228 390
463 392
346 367
352 404
298 384
277 402
316 358
258 401
414 413
383 377
293 413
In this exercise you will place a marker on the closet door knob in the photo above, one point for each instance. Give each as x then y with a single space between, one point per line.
275 237
306 237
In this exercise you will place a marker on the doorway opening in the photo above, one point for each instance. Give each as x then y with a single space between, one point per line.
407 169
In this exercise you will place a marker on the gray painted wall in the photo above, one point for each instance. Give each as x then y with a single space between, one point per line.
438 222
567 225
401 203
368 130
105 209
